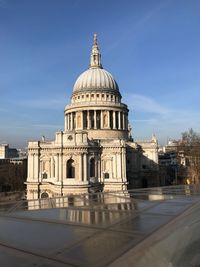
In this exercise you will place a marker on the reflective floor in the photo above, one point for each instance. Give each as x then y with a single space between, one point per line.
142 227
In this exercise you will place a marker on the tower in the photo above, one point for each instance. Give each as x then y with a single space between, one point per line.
96 103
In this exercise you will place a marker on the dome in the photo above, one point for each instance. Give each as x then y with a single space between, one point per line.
95 78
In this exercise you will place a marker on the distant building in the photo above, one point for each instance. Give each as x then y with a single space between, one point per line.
168 158
96 146
172 146
6 152
172 163
13 169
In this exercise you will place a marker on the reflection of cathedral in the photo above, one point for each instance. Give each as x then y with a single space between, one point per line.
95 147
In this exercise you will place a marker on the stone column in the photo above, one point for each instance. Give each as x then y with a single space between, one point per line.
51 167
88 119
65 122
124 165
123 121
33 167
29 166
111 173
57 167
41 170
101 119
85 167
116 173
95 119
119 166
69 122
71 128
80 168
108 112
119 120
114 120
38 168
76 118
60 168
114 166
81 119
126 121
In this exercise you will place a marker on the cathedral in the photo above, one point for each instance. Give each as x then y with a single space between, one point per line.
95 151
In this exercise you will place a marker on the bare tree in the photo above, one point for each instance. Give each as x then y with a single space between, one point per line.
190 149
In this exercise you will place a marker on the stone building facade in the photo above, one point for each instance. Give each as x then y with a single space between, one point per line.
95 147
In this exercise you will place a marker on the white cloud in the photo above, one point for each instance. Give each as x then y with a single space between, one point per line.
150 116
54 126
142 103
55 103
136 26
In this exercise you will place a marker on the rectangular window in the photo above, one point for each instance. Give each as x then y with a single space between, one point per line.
106 175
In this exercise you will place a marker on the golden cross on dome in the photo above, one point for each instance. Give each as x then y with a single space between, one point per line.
95 39
95 58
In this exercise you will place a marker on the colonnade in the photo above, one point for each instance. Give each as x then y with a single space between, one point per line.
52 167
55 167
96 119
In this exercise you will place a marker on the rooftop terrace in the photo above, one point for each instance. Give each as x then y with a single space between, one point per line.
146 227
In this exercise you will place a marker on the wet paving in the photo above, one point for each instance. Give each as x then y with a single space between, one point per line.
90 229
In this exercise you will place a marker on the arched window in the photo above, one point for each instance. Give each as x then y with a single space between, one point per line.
92 167
44 195
70 169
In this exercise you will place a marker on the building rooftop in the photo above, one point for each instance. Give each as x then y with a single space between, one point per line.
145 227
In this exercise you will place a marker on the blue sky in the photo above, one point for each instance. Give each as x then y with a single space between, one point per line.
152 48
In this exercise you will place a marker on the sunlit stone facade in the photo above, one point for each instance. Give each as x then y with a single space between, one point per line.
95 147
